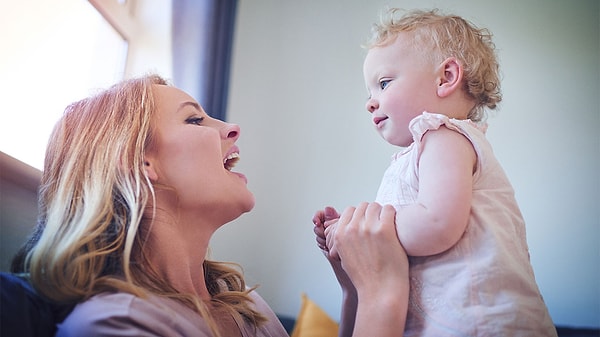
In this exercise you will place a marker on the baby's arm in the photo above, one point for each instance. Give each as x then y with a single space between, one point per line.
439 217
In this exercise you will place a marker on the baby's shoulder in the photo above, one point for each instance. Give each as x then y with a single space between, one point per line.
428 121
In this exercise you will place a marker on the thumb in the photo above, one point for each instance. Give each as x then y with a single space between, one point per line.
331 213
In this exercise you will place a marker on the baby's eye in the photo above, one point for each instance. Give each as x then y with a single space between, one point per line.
194 120
383 84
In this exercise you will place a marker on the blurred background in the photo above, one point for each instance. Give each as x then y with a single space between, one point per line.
296 89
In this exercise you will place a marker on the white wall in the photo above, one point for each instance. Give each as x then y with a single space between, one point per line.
297 92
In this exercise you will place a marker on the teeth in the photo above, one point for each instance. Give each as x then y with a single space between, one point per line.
231 156
230 161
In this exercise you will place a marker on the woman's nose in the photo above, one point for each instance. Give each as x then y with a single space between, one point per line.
231 131
372 105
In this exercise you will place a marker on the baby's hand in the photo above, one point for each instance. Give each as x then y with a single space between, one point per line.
325 222
323 219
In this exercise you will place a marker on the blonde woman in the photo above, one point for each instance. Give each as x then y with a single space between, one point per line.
136 181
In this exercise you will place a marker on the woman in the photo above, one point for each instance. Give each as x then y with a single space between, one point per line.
136 181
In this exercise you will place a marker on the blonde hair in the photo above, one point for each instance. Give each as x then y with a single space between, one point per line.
440 36
96 204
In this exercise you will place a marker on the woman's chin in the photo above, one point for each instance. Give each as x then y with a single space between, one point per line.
250 204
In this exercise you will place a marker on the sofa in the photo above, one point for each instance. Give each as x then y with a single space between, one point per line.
24 313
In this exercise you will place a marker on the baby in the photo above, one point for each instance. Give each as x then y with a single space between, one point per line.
430 78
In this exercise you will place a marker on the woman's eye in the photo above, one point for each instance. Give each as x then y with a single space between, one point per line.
194 120
383 84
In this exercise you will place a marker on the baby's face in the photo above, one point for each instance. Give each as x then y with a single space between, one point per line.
401 85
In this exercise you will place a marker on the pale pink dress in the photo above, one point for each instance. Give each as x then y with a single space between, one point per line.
484 285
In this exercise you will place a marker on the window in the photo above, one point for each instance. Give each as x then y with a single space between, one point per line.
55 55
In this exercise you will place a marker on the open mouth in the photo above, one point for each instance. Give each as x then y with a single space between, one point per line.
231 160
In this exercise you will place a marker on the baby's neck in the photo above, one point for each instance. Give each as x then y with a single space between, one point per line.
455 108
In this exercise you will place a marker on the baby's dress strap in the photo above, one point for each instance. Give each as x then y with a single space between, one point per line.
432 121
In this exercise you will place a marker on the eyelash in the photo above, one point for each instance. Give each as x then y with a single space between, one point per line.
384 83
195 120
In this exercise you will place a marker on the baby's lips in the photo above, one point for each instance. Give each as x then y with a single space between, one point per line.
378 119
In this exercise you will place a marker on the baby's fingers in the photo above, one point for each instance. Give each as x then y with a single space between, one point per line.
330 242
320 237
330 213
319 218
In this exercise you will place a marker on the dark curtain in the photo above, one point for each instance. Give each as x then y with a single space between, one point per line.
202 42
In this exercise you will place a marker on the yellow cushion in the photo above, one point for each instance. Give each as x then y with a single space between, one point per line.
312 321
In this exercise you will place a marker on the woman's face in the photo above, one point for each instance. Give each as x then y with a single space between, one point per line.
193 154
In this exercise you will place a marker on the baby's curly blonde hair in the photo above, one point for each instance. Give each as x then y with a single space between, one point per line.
440 36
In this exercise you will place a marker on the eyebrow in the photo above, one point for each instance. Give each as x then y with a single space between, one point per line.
189 103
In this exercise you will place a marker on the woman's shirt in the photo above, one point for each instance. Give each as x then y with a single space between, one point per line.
123 314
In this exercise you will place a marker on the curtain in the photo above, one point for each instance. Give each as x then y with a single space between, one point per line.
202 39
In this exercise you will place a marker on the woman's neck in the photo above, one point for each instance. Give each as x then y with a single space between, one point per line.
177 254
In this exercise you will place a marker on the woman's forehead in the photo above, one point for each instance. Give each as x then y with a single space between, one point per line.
172 98
169 93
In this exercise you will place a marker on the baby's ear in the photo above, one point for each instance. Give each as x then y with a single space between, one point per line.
450 77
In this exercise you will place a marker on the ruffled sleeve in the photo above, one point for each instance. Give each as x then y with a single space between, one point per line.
432 121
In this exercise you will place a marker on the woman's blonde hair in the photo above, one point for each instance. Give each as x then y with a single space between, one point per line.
440 36
96 204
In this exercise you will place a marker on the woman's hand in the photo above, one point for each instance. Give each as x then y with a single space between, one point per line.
373 259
